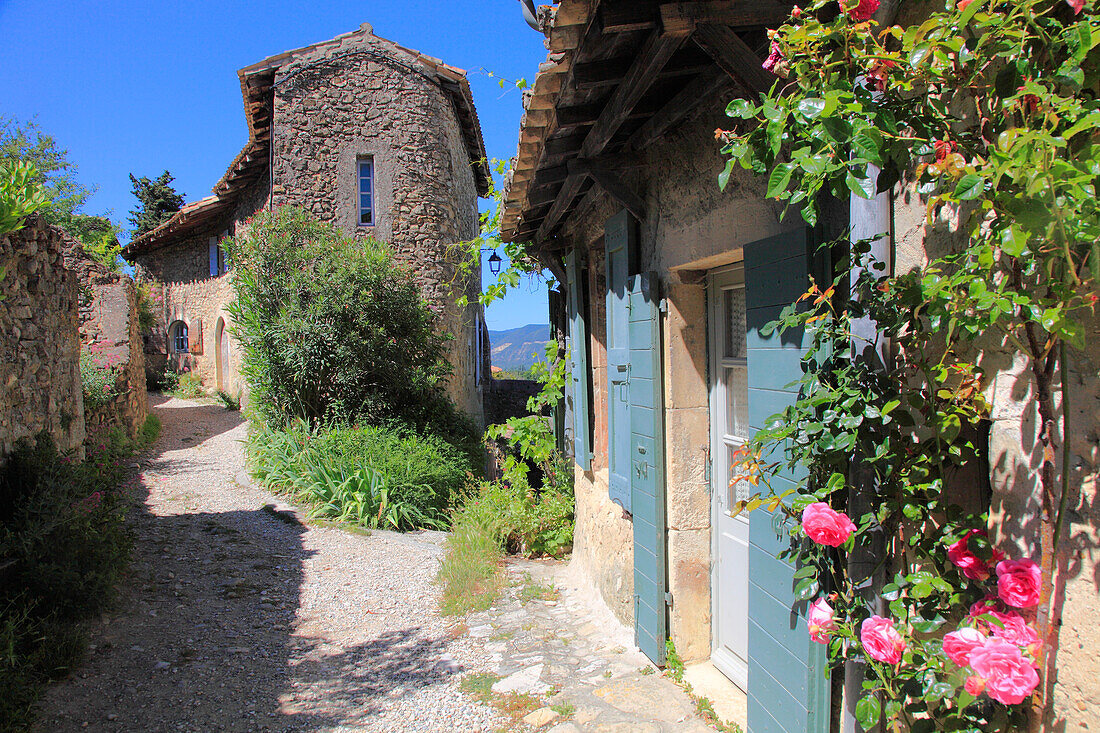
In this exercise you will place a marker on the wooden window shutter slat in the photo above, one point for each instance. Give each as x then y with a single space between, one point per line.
194 336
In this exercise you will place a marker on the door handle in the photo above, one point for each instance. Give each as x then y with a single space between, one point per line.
622 392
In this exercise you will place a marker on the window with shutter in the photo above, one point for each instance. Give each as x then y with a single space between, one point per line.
579 375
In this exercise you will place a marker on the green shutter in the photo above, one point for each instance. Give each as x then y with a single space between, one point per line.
578 363
788 684
618 241
647 470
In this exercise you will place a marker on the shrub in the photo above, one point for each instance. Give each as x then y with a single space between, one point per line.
331 328
506 515
62 548
186 385
372 476
97 378
231 403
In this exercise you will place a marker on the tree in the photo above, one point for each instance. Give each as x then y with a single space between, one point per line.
157 201
55 172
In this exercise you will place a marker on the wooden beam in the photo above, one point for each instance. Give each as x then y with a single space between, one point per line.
686 17
650 59
701 89
570 145
611 182
600 73
635 16
568 192
734 57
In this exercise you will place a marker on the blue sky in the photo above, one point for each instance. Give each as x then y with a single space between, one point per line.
140 86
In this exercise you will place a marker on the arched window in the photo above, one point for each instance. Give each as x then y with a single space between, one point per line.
178 337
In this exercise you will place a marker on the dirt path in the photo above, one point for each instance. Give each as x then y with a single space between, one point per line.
237 618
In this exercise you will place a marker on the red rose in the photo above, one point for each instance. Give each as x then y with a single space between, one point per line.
971 565
1018 583
862 10
773 58
825 526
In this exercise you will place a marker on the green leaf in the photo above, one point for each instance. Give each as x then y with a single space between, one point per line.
741 108
867 712
779 178
724 176
862 187
867 144
811 107
969 187
837 128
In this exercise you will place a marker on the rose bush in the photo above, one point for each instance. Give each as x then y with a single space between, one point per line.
984 111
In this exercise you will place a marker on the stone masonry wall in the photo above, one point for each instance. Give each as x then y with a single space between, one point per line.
1014 458
366 98
108 305
39 343
184 291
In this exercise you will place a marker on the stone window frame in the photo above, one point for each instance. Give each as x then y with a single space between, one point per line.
177 333
366 161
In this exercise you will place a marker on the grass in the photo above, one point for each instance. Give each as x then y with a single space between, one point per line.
514 705
704 708
471 572
564 709
674 666
532 591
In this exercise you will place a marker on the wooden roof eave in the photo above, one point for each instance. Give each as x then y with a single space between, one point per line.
544 135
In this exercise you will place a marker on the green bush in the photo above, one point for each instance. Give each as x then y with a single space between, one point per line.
231 402
332 330
97 378
186 385
506 515
63 546
369 475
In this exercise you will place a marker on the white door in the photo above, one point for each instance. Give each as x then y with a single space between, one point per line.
729 431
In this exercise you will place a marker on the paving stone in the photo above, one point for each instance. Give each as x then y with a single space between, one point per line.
541 717
526 681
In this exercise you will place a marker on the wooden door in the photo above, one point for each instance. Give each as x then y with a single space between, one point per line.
788 682
647 467
618 241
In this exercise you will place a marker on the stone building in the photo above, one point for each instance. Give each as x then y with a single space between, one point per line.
375 138
669 283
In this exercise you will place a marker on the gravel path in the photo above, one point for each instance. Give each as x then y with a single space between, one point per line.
240 618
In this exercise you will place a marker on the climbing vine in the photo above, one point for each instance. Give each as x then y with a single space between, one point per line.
987 111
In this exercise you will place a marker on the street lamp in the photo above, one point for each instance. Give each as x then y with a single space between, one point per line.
494 263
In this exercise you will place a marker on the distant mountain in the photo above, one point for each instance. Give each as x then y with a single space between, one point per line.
519 348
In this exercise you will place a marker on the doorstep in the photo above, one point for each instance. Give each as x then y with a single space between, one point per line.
729 701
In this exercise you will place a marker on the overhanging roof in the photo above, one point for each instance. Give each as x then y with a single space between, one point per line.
257 83
619 75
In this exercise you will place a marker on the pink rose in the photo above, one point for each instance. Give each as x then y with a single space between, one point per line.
820 621
1009 678
862 10
961 5
974 685
881 640
1018 582
825 526
958 644
1015 630
773 58
971 565
1077 5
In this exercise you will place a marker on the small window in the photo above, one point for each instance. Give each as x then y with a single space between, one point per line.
366 192
219 261
179 338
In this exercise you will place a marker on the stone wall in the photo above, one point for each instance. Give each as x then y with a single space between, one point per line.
505 398
185 292
40 386
367 98
1014 458
109 328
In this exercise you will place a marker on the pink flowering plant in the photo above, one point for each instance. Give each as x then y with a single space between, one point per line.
987 113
